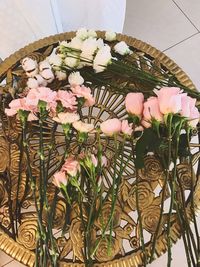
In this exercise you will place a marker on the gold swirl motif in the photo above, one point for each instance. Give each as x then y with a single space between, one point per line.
13 128
105 215
145 195
5 216
27 233
185 176
150 217
6 222
4 154
14 161
103 252
135 242
60 214
77 238
3 192
21 186
152 168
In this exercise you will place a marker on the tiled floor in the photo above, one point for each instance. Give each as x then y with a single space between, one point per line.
172 26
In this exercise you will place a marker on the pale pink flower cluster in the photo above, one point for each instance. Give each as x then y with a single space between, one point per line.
71 167
84 92
68 99
30 102
168 100
115 126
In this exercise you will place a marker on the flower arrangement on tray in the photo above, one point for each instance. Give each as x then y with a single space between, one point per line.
157 123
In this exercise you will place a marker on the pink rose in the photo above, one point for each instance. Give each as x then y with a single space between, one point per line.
67 99
127 128
111 127
151 111
194 117
187 105
85 92
169 99
71 166
60 179
134 103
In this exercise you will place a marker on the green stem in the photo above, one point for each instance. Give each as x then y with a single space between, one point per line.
112 208
169 242
51 210
187 246
17 211
192 202
33 186
169 127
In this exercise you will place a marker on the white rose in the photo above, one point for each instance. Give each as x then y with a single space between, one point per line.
92 33
32 83
48 75
100 43
82 33
32 73
75 78
28 64
71 62
66 117
76 43
60 75
64 43
110 36
83 127
89 46
102 59
41 81
55 60
44 65
86 59
122 48
36 81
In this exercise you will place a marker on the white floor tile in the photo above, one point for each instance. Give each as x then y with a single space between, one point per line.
14 264
160 23
187 56
4 258
192 9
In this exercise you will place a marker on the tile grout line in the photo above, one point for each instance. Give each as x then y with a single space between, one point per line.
6 264
185 15
181 41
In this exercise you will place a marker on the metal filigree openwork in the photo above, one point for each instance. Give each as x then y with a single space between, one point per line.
126 246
